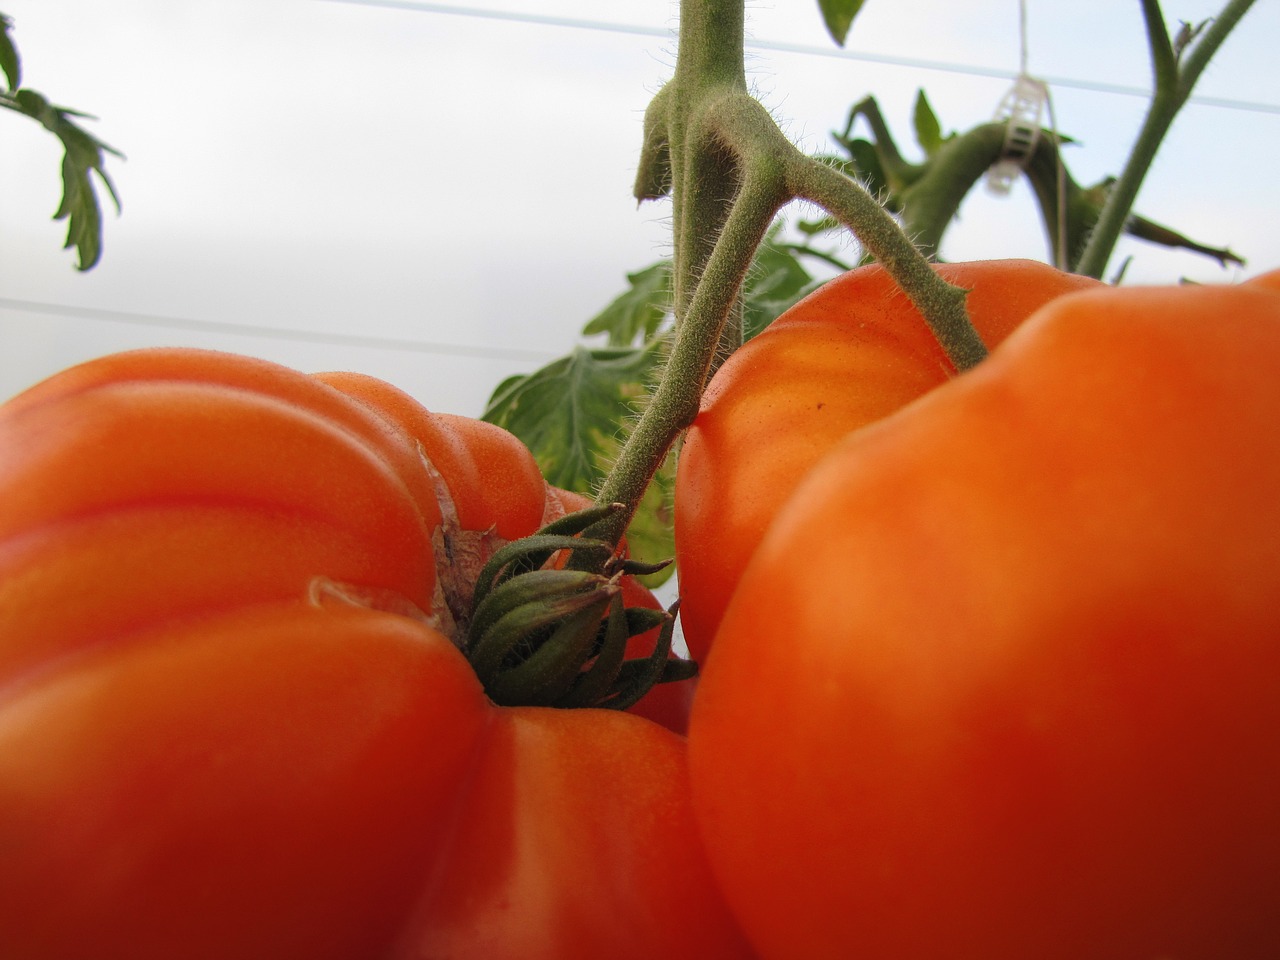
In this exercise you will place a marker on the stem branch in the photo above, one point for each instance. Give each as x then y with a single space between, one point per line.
1175 76
730 169
941 304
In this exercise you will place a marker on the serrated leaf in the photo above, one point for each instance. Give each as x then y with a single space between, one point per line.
568 413
928 130
83 155
838 16
638 313
10 63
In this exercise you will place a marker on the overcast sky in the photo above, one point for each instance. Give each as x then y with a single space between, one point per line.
443 200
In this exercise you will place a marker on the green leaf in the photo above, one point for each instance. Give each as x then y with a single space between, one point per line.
813 228
9 60
568 414
637 314
928 130
83 155
776 281
838 15
869 171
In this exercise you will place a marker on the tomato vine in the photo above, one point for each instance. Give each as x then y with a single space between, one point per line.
729 169
1177 63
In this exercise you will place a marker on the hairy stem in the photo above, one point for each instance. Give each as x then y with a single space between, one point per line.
709 70
729 170
941 304
674 403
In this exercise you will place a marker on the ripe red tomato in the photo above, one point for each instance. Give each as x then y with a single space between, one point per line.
229 725
849 354
1001 680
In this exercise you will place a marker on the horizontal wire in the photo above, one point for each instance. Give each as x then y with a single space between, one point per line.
941 66
498 353
274 333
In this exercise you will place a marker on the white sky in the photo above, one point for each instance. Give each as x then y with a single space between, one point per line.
455 191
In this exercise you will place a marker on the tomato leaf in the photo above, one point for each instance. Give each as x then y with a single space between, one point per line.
838 16
776 281
567 414
9 61
864 166
83 155
636 314
928 129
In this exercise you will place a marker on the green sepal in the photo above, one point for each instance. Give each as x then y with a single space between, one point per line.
642 620
551 669
525 589
637 677
638 568
527 555
528 625
578 521
594 684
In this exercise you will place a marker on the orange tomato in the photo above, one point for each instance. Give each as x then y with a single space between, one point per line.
852 352
1000 682
233 723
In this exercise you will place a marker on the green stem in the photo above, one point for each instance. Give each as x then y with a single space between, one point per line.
709 70
941 304
1173 84
729 170
674 403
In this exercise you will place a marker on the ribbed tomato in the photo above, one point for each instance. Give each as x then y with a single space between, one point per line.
233 722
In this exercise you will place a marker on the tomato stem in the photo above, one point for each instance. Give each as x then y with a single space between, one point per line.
729 170
1177 66
674 403
940 303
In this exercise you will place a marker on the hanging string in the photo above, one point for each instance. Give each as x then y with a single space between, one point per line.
1021 109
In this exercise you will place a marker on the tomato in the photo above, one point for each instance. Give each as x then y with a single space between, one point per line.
850 353
1000 682
233 722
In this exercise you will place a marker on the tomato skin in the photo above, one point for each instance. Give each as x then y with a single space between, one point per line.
1014 651
203 482
251 785
847 355
493 480
227 728
532 813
